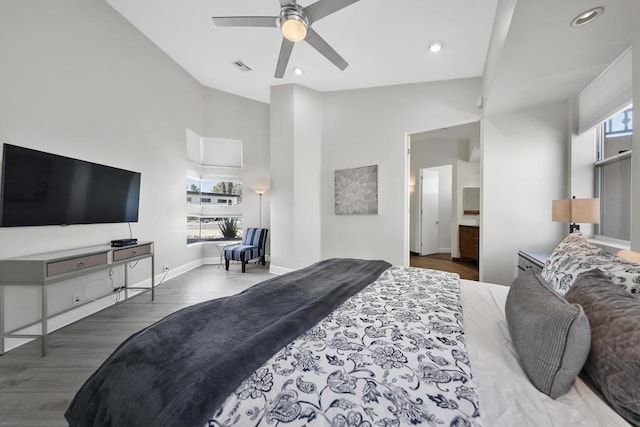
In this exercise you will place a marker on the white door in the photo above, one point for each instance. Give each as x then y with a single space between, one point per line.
429 181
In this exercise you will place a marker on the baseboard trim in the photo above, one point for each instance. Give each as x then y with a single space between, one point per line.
274 269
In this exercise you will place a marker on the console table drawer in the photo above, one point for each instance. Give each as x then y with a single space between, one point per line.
120 254
532 261
75 264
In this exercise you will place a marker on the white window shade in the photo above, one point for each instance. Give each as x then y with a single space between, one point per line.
222 152
217 152
607 94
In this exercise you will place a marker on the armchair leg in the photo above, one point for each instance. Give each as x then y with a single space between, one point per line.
244 264
226 264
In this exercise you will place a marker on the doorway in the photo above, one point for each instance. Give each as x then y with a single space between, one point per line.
456 149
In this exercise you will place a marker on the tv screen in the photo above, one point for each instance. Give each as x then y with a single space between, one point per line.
39 188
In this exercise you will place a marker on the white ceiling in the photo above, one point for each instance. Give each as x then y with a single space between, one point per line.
384 42
535 56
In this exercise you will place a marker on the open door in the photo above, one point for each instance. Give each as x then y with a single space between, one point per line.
429 184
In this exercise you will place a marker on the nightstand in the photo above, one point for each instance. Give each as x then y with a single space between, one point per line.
531 260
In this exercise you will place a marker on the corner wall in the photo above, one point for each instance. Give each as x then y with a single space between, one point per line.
524 157
296 128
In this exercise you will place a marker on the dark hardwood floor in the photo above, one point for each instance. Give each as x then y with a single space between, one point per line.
35 391
466 270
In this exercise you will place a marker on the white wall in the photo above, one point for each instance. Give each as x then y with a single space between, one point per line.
524 154
368 127
296 132
635 177
78 80
233 117
581 159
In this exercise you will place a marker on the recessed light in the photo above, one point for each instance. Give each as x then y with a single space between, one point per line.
297 71
436 46
587 16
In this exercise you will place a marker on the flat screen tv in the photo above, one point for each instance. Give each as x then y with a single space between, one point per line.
38 188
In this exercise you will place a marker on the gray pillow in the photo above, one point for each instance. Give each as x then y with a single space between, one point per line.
613 365
551 336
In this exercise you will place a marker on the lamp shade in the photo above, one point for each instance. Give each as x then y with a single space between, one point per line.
586 211
561 210
260 190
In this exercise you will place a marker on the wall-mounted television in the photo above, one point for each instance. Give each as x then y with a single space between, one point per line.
38 188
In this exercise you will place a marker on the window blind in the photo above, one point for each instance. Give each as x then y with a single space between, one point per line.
611 91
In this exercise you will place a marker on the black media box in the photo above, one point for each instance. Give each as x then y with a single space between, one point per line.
123 242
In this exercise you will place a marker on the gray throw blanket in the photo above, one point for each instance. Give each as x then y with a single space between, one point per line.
178 371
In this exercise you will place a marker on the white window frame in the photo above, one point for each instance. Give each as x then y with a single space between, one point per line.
599 164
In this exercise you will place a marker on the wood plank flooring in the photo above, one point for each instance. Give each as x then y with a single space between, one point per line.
35 391
466 270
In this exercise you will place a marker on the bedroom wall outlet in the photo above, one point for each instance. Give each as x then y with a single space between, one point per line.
76 299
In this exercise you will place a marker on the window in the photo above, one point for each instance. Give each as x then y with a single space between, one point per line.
214 191
221 192
212 209
613 175
213 228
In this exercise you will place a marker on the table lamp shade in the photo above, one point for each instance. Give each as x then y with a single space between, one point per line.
561 211
585 211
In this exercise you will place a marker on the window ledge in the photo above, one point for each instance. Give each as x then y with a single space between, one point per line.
610 245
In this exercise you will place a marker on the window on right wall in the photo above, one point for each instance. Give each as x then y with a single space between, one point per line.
613 175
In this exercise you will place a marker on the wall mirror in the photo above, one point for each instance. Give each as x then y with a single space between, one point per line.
471 201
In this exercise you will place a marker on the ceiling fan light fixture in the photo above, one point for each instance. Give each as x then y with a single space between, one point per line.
294 30
587 16
293 23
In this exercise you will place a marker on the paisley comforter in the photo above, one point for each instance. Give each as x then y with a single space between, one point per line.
393 354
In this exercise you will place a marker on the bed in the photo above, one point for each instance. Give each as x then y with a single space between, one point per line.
395 346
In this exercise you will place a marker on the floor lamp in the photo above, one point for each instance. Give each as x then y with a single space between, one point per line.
260 192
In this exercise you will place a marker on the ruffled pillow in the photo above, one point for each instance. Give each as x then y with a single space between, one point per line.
572 256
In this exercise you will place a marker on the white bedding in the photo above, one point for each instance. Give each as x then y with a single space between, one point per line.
507 398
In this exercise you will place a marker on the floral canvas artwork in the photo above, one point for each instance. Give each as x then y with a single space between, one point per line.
357 190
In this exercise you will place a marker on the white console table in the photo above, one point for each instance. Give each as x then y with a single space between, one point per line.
44 269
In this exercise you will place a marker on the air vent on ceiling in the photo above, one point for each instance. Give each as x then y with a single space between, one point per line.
241 65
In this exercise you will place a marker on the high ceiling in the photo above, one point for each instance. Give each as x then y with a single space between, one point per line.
384 42
525 50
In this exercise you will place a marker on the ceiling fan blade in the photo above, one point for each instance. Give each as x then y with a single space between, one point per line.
323 47
245 21
322 8
283 58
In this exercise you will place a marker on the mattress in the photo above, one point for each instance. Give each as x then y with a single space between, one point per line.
507 398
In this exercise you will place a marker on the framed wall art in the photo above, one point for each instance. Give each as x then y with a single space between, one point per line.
356 191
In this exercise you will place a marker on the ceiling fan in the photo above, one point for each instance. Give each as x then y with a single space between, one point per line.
295 23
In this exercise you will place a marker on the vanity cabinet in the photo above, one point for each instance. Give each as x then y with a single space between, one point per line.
469 242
